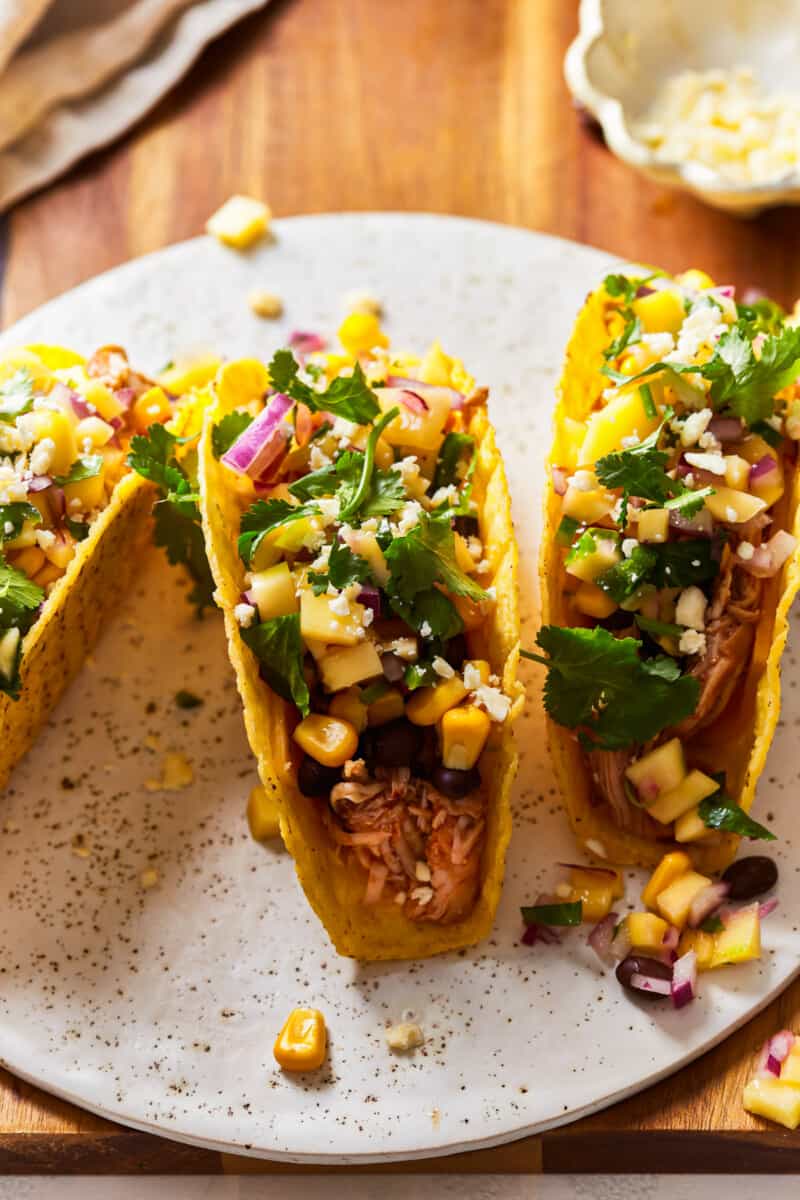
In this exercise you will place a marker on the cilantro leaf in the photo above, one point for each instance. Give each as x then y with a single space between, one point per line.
569 913
348 396
431 613
264 516
632 332
598 684
79 529
620 582
227 431
387 493
278 646
638 470
620 287
712 925
453 448
85 467
152 455
765 316
16 514
424 556
16 396
344 569
19 595
689 503
350 506
680 564
719 811
327 480
658 628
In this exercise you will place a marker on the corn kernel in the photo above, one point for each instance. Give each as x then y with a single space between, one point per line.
240 382
265 304
429 704
262 814
464 731
152 408
404 1036
698 280
185 376
329 740
347 705
388 707
239 222
361 332
302 1043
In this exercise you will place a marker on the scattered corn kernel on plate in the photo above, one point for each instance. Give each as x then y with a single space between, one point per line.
152 952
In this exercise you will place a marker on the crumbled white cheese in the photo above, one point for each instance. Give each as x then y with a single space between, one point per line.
367 617
445 495
746 550
493 700
702 328
425 629
409 516
245 614
692 642
730 514
329 510
8 528
422 871
406 647
422 895
482 567
317 458
727 121
343 429
715 463
472 677
45 538
708 441
475 547
582 481
404 1036
690 609
628 546
265 304
442 668
340 605
42 456
400 897
695 426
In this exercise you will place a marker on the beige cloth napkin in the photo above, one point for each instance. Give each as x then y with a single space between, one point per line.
75 74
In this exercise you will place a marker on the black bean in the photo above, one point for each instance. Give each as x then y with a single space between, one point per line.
455 784
749 877
395 744
314 779
428 757
638 964
466 526
456 651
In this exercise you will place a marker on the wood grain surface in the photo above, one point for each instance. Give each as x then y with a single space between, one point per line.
442 105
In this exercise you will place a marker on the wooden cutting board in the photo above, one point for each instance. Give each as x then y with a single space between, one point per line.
456 106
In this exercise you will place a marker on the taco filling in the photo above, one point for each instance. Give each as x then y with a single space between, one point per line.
367 600
65 423
673 504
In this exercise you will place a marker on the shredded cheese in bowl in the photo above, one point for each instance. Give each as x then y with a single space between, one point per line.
725 120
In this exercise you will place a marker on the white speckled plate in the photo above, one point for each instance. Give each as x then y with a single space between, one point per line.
158 1008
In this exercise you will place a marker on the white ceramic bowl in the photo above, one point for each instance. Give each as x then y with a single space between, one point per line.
627 49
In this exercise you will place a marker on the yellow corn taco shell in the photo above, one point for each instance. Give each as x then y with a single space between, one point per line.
741 737
335 891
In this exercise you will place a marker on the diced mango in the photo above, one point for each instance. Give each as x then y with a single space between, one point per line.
30 560
464 559
340 669
361 332
653 525
769 488
464 731
661 312
191 373
569 440
329 740
587 506
94 430
594 554
349 706
262 814
623 417
318 620
273 592
698 280
734 507
56 357
775 1100
754 448
365 545
239 222
740 940
428 705
9 649
240 382
388 707
737 472
415 430
102 398
472 613
152 408
592 601
646 932
384 454
302 1043
659 771
790 1070
54 425
89 493
690 827
671 867
703 945
687 795
676 900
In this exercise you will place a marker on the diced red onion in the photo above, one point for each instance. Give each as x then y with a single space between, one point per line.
669 945
393 668
684 980
758 342
751 294
428 391
306 343
767 908
649 983
264 441
583 867
559 480
79 406
778 1048
540 933
726 289
768 559
726 429
126 396
621 945
58 502
39 483
707 902
701 525
370 597
762 469
602 937
644 290
413 402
